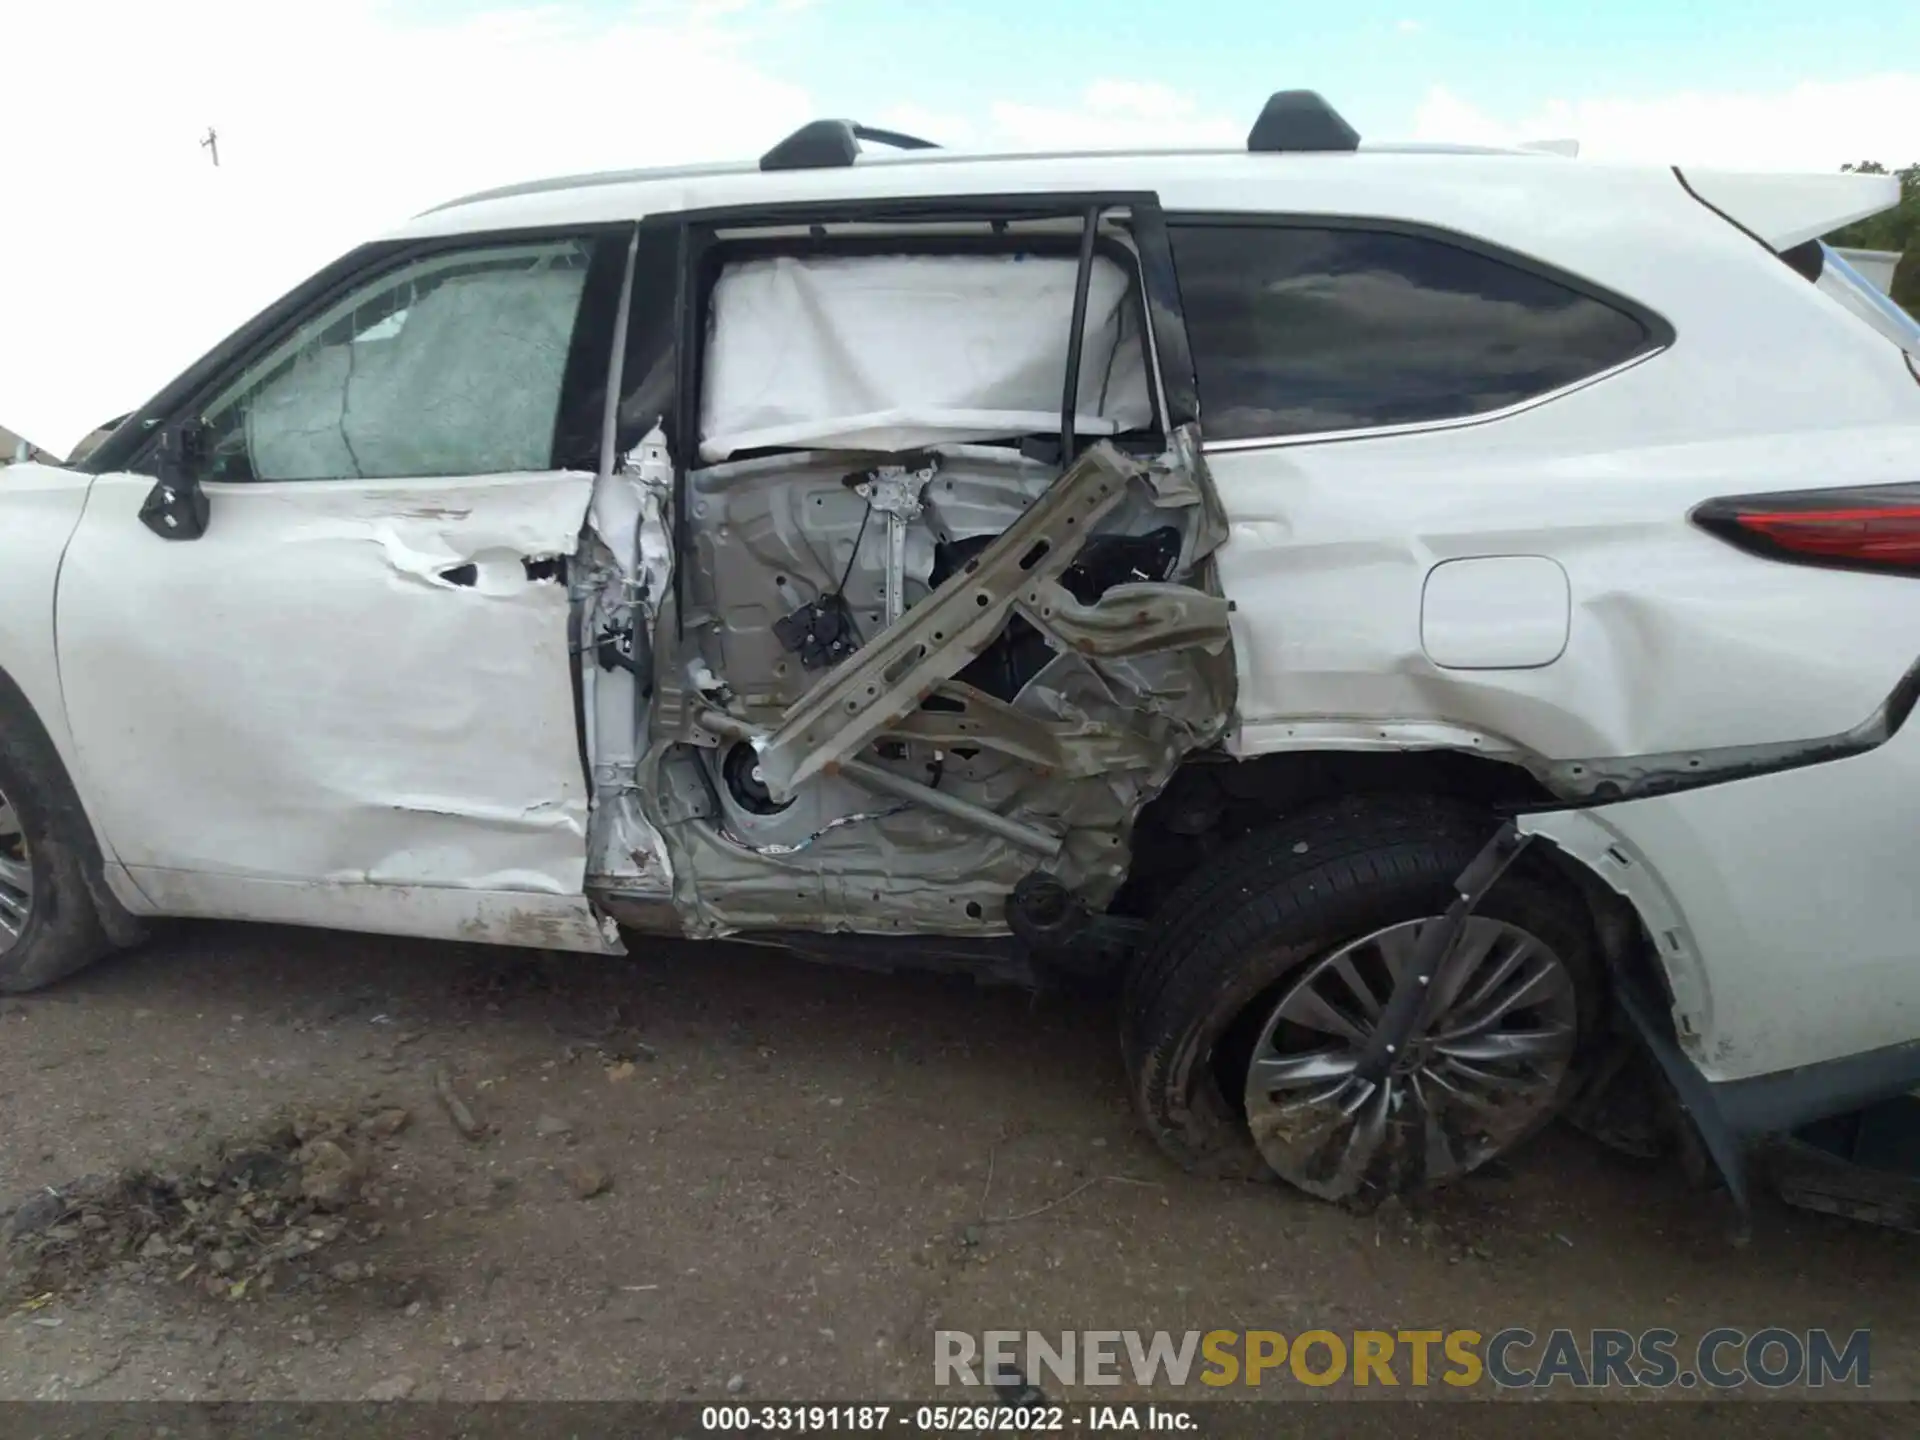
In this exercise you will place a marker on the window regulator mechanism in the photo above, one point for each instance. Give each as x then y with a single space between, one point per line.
822 632
894 491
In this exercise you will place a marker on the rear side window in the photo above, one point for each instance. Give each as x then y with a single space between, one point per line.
1303 330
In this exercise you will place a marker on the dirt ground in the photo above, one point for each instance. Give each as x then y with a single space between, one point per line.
792 1176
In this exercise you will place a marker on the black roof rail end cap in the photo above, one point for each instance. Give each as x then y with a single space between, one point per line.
1300 120
817 145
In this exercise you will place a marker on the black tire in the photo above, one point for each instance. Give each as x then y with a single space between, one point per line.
62 932
1220 951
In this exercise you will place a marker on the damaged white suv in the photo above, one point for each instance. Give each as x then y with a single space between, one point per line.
1424 620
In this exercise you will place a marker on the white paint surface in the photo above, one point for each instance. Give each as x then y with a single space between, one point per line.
40 505
298 718
1797 890
1789 210
301 697
1801 894
1495 612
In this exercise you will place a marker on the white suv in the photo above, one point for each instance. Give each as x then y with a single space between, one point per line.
1396 609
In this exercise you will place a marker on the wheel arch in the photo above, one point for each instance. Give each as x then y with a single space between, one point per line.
21 719
1642 932
1215 799
1637 926
1635 920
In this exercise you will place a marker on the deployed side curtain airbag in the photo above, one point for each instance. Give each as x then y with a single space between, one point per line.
895 352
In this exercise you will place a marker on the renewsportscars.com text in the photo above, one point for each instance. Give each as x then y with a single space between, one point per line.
1510 1358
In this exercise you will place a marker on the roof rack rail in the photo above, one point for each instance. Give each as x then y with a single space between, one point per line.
833 144
1300 120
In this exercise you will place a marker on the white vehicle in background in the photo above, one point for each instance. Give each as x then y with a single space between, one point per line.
1396 609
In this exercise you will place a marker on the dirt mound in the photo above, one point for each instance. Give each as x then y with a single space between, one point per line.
255 1213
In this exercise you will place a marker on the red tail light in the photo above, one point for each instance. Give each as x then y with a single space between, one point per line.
1870 528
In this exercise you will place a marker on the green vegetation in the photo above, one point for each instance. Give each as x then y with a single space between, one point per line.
1896 229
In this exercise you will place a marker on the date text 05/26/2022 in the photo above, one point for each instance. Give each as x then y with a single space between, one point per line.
981 1419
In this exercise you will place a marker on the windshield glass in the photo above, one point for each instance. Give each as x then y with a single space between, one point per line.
1865 299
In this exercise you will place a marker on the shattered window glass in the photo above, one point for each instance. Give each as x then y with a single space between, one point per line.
449 366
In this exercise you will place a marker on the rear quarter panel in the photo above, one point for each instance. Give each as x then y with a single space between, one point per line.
1793 931
1675 640
1792 935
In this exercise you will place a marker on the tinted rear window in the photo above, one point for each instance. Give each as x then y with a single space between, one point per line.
1299 330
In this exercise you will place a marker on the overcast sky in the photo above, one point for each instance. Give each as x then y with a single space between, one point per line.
127 253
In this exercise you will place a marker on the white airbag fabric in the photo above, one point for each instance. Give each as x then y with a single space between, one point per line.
895 352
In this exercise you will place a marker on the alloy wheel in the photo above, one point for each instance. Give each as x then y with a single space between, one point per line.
1483 1067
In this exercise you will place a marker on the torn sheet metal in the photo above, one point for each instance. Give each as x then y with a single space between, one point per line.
894 352
1735 831
888 680
1763 871
1588 838
324 699
1128 620
1640 777
1011 749
626 569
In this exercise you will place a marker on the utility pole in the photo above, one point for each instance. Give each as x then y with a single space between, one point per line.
211 144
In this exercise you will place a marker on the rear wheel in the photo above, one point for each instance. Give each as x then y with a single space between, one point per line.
1261 982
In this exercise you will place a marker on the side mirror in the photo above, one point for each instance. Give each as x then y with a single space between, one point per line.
176 507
